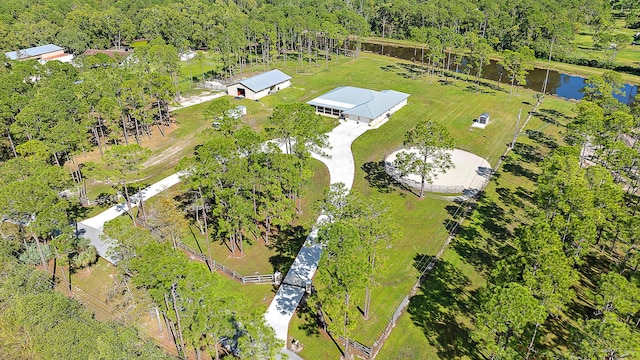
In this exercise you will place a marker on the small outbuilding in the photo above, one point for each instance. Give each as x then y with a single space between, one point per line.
482 121
358 104
261 85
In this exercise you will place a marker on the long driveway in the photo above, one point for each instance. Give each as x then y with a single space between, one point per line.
339 160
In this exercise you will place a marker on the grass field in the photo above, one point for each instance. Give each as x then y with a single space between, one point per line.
628 56
438 321
454 104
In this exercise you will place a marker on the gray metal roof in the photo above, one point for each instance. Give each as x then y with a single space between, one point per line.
360 102
265 80
31 52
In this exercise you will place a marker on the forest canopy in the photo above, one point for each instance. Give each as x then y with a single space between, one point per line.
272 25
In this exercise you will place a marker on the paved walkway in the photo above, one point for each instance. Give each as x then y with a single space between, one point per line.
339 161
92 228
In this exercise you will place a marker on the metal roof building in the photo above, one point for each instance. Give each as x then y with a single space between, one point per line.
359 104
45 52
260 85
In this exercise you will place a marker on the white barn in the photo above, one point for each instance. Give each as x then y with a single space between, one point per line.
362 105
261 85
41 53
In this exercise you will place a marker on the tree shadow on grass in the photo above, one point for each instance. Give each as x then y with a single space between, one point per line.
518 170
510 198
312 323
468 244
411 71
528 153
542 138
442 298
378 177
484 88
287 244
551 116
493 220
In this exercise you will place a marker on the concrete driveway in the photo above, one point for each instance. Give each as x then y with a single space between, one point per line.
339 160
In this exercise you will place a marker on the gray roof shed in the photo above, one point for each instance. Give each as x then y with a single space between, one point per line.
265 80
31 52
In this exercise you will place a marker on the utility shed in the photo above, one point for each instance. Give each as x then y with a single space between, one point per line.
358 104
43 53
261 85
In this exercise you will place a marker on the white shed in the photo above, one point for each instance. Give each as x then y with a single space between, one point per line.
260 85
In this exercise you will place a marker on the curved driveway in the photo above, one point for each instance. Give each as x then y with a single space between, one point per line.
339 160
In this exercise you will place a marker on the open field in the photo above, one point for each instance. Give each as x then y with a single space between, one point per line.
439 318
455 104
628 56
423 221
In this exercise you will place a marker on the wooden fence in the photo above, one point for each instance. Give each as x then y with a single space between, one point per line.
243 279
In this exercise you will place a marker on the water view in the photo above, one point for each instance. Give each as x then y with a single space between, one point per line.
559 84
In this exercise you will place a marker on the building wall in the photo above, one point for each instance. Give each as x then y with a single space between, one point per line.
361 119
51 54
259 95
398 106
379 118
249 94
283 85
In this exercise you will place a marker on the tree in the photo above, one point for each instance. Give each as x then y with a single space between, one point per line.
480 52
517 65
617 295
601 89
566 201
124 162
343 272
432 142
30 197
166 221
296 124
375 226
608 338
588 123
504 317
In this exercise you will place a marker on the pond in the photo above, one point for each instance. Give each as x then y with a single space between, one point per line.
559 84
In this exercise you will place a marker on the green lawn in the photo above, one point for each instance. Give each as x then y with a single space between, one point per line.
438 321
193 71
454 104
423 221
628 56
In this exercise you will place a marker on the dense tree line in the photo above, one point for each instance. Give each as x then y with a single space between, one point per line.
197 310
247 31
41 323
56 111
586 208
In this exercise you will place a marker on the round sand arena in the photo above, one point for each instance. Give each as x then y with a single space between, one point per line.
470 173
